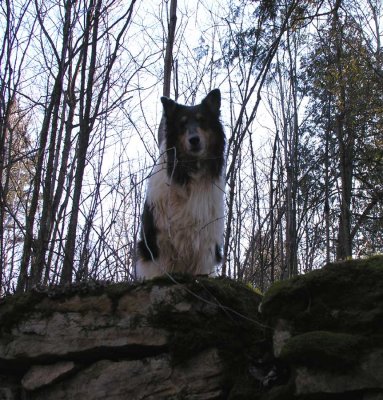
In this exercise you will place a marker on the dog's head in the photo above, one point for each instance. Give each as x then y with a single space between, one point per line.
193 138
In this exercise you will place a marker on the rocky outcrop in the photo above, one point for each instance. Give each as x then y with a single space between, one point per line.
317 336
164 339
327 326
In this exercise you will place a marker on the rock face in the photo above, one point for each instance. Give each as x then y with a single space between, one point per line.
328 328
318 336
156 340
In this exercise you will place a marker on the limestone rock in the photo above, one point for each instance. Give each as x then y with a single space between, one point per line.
366 376
42 375
150 378
318 336
281 334
155 340
334 319
76 324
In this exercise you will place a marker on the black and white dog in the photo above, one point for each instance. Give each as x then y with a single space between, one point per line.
183 216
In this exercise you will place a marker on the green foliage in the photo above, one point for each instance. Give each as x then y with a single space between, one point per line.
344 119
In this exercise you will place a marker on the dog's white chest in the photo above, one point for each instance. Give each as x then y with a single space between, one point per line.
189 221
196 205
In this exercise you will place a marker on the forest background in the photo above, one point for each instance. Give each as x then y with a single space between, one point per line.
80 81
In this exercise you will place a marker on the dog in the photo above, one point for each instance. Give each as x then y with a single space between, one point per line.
183 215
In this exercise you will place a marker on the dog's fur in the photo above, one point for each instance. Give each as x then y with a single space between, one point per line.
183 217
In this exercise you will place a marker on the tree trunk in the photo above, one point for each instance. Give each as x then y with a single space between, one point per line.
168 64
344 247
346 146
84 135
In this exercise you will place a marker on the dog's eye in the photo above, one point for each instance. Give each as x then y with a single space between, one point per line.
200 119
183 121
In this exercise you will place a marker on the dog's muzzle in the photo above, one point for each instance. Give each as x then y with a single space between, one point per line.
194 141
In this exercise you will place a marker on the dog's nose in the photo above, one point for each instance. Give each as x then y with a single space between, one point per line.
194 141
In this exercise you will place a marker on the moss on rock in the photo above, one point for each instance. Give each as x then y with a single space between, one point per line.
221 310
328 319
323 349
16 307
223 315
342 297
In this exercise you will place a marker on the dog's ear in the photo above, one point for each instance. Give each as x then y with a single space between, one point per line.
213 101
169 106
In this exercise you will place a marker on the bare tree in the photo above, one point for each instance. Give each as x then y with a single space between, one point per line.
12 59
79 113
168 61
